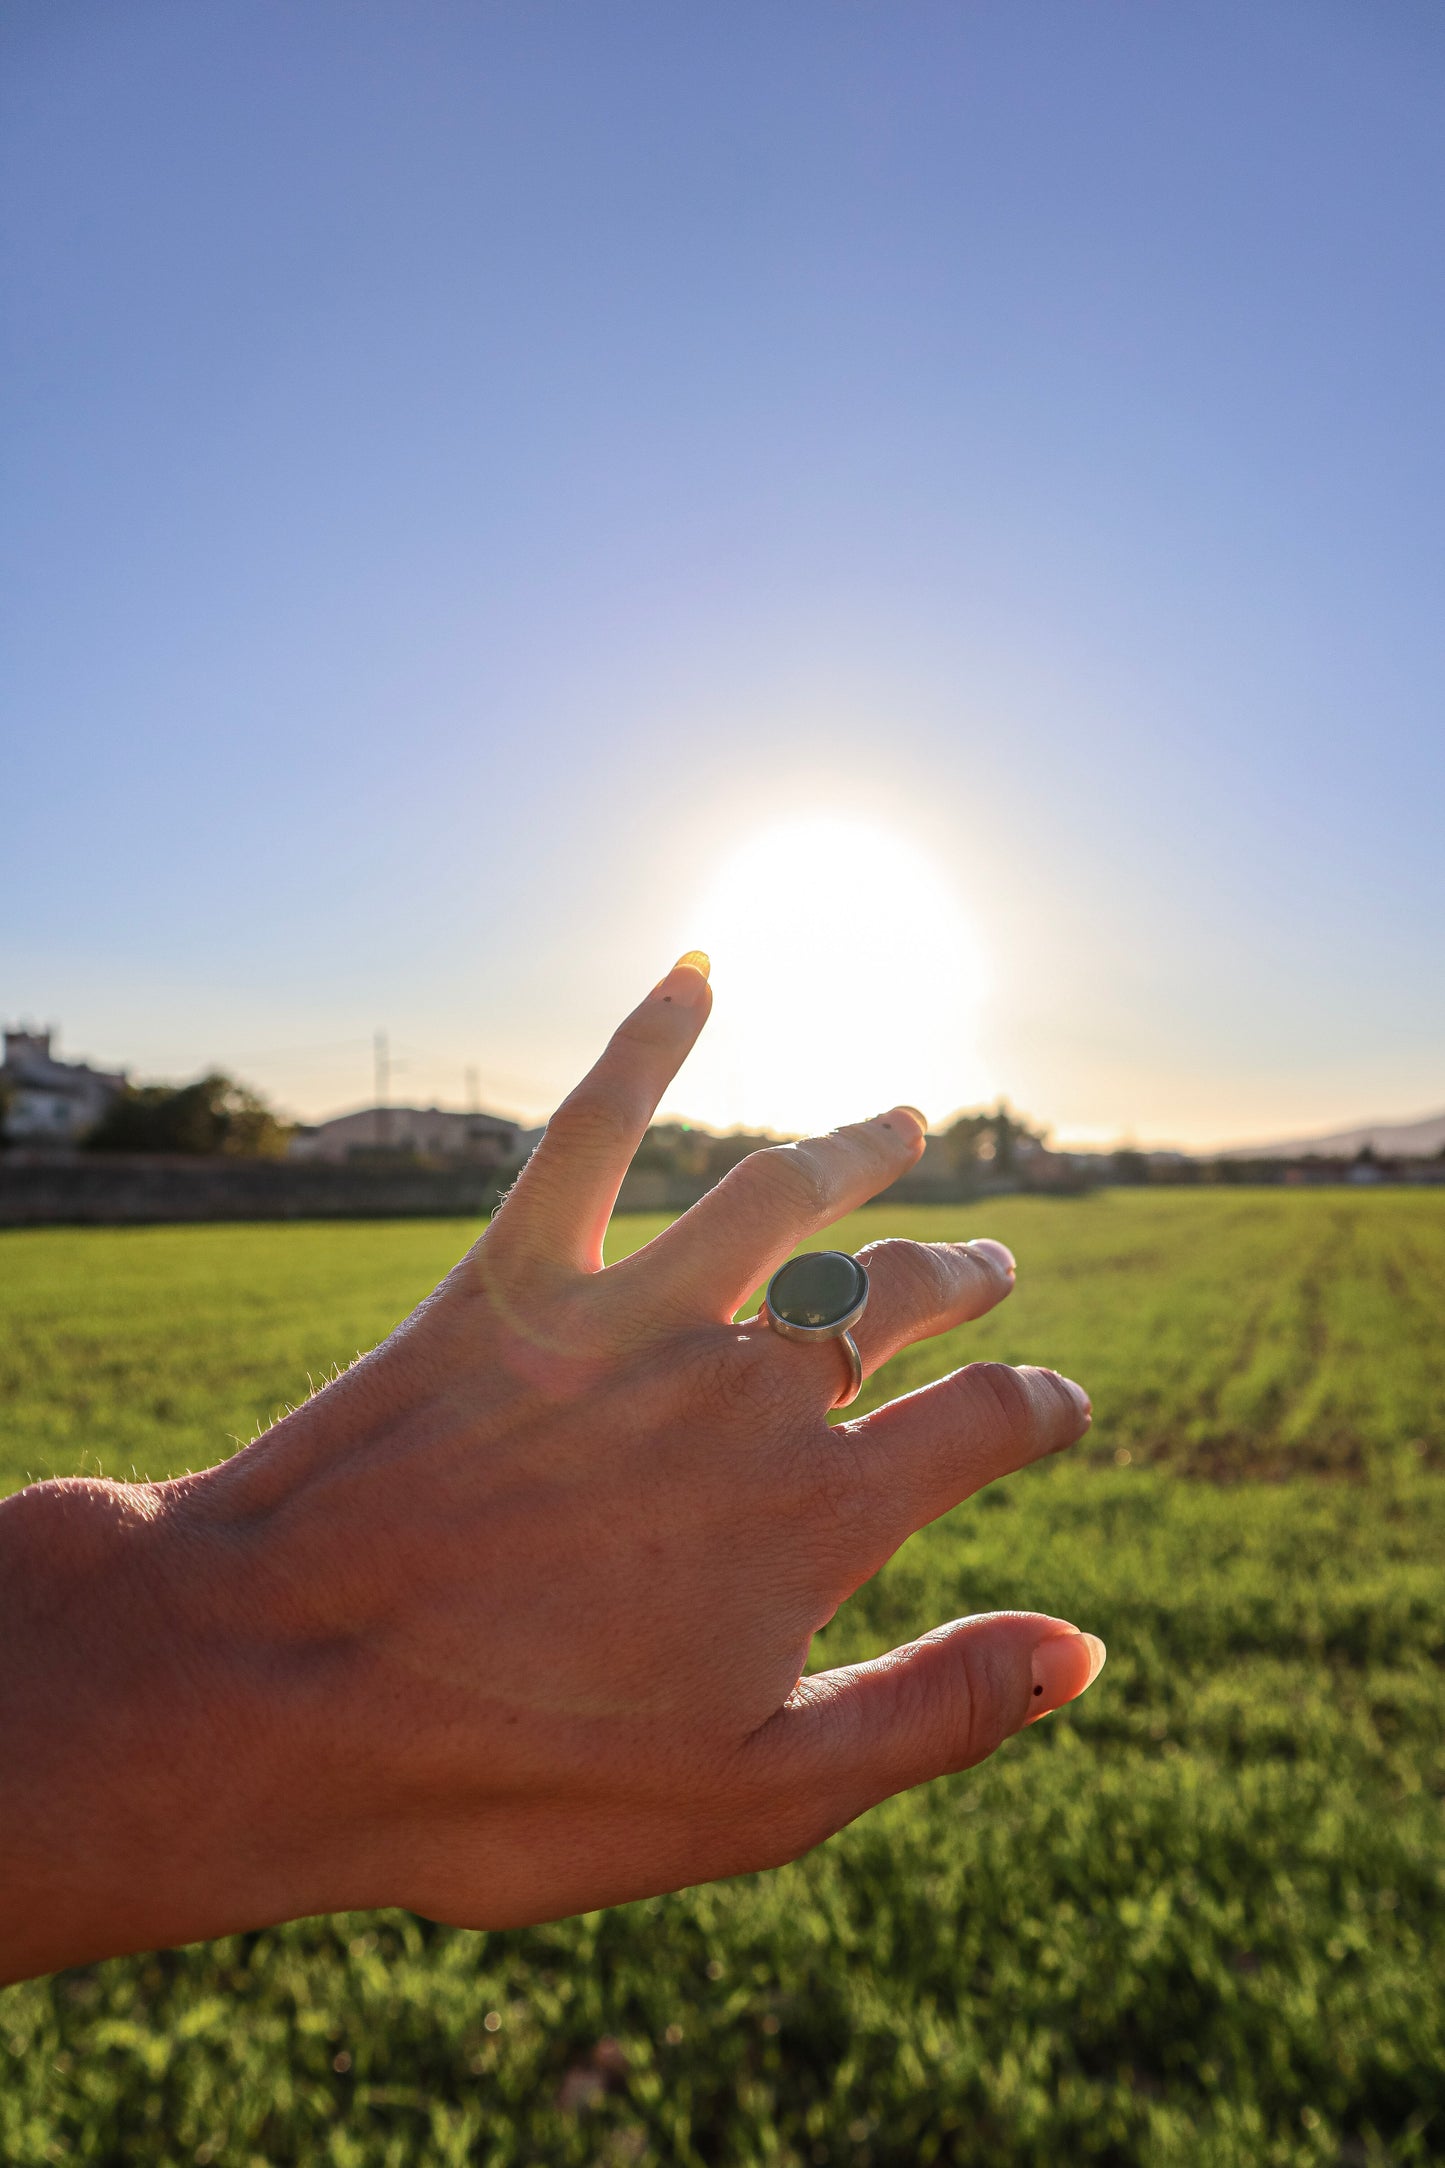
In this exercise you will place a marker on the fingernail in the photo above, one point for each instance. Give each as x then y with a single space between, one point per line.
917 1112
888 1120
1064 1667
686 982
1079 1397
997 1253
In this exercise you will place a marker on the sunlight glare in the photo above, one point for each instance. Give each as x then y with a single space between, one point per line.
847 979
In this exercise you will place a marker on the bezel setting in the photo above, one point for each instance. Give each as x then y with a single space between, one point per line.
832 1328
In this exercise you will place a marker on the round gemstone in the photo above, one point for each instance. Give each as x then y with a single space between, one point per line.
818 1290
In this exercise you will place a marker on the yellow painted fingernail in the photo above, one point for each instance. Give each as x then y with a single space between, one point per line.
697 960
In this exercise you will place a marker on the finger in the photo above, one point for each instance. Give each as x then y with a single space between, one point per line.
561 1203
920 1455
708 1262
846 1739
916 1289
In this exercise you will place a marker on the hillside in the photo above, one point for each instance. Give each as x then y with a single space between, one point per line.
1392 1140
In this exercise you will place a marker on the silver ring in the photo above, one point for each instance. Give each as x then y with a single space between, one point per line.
820 1296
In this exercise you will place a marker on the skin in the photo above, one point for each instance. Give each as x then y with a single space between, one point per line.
511 1621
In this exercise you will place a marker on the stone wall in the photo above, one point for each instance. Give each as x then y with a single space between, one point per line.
105 1189
130 1189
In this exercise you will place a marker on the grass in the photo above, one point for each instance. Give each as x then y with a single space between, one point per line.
1200 1919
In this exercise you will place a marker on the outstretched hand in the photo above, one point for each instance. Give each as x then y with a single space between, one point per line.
512 1620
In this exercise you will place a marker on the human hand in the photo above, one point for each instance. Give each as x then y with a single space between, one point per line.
512 1619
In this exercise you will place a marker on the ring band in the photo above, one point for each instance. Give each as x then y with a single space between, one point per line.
855 1371
821 1296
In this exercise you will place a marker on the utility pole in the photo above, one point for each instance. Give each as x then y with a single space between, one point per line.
474 1092
383 1088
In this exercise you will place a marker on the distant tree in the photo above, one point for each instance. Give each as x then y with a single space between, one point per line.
659 1150
215 1115
1130 1166
1006 1134
1250 1172
723 1153
685 1153
966 1142
986 1146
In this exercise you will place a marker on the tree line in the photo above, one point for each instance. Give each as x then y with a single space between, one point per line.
215 1116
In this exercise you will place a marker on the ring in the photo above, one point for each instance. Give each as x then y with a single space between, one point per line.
818 1297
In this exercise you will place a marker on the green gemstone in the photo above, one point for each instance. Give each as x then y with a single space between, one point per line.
819 1289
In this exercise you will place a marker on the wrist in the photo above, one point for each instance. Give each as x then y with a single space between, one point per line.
152 1714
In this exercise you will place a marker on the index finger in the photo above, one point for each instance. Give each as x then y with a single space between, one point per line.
558 1209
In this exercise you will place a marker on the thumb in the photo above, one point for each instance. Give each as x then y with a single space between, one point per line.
851 1737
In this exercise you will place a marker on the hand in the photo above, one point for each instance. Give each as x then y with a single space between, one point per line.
511 1621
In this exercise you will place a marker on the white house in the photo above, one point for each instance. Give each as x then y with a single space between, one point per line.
488 1140
48 1101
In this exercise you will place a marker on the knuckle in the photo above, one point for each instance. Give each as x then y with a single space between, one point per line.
649 1028
1003 1395
970 1711
731 1378
911 1270
789 1172
951 1712
975 1713
595 1118
933 1714
820 1473
870 1145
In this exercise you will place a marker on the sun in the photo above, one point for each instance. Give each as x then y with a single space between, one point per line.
847 979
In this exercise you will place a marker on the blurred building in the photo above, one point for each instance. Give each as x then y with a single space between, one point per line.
485 1140
44 1100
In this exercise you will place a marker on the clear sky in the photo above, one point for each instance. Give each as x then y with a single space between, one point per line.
940 504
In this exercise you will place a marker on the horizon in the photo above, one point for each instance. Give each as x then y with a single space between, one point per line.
677 1115
941 510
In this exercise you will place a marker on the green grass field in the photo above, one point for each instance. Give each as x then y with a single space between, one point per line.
1198 1919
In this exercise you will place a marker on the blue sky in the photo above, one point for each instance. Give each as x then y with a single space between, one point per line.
470 472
